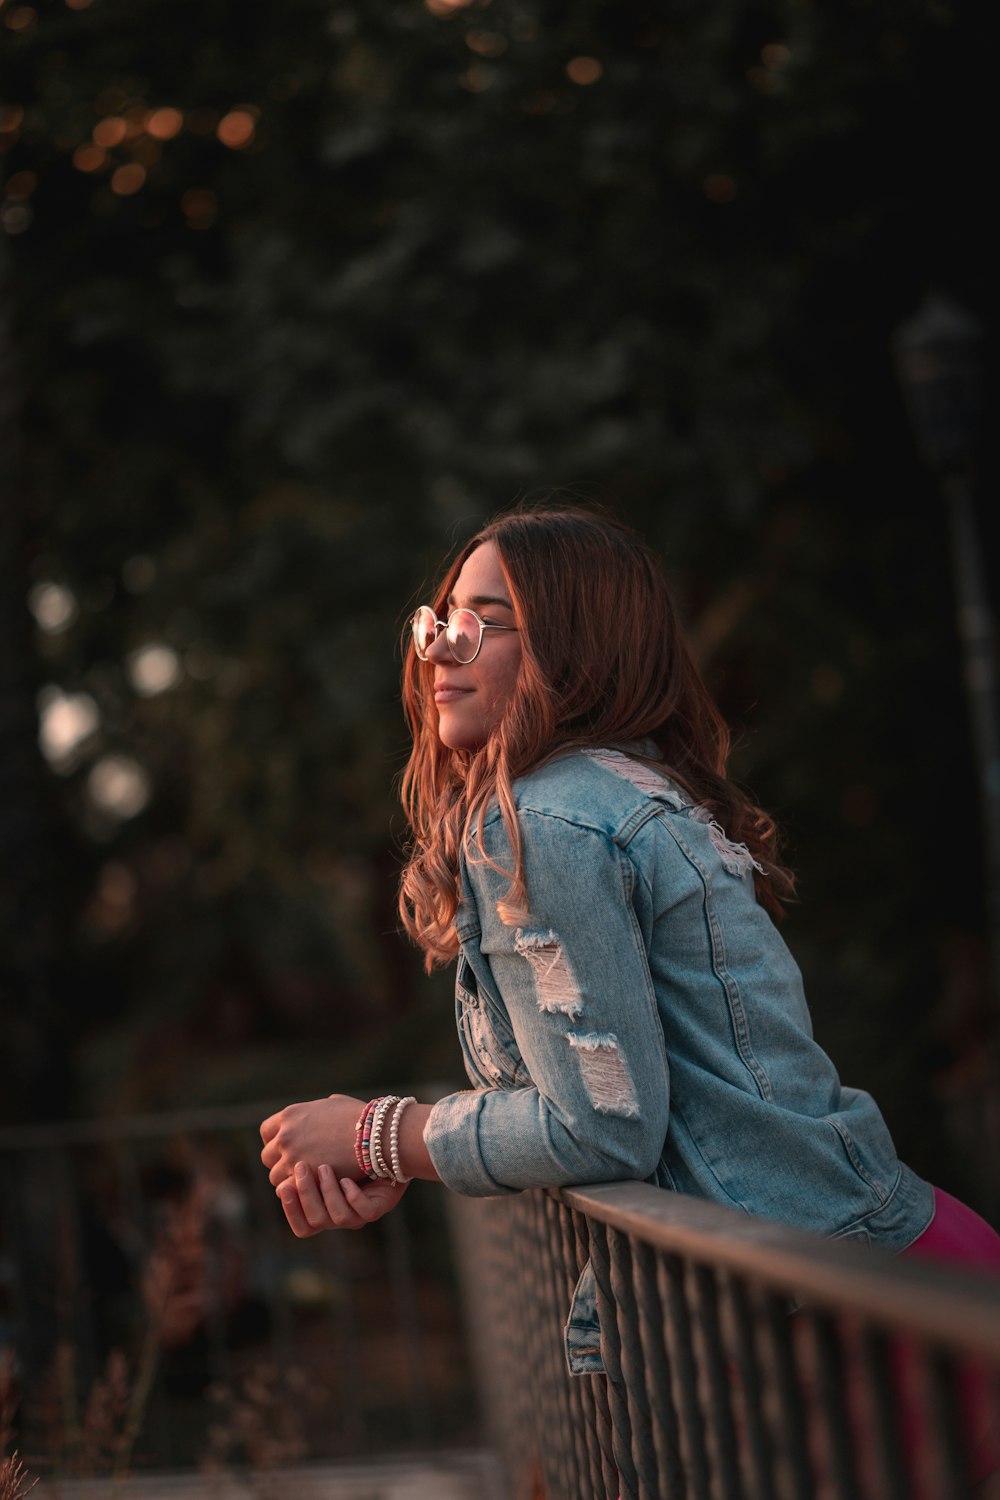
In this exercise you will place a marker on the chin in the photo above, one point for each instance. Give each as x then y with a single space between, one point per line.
456 737
458 741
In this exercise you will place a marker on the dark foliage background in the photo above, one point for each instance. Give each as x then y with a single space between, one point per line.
295 295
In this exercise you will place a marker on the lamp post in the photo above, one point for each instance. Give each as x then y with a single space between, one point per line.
938 363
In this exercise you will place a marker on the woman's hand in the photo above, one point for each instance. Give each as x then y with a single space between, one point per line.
320 1131
314 1201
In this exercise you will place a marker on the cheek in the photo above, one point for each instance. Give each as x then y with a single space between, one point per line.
504 685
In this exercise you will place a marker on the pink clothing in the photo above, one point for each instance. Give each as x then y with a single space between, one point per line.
958 1235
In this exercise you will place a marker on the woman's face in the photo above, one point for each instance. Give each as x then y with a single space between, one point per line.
471 698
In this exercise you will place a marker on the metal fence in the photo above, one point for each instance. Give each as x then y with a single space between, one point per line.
156 1310
744 1361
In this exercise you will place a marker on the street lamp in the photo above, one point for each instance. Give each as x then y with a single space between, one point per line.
939 365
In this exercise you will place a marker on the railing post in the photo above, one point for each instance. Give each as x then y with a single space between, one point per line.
621 1424
944 1382
718 1384
555 1436
794 1471
603 1476
830 1389
643 1451
583 1434
758 1443
684 1370
652 1318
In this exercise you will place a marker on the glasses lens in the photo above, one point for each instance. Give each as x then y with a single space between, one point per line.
424 630
464 635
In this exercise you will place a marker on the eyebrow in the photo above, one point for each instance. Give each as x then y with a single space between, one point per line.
478 600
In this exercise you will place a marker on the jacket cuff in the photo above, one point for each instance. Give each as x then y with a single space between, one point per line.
451 1136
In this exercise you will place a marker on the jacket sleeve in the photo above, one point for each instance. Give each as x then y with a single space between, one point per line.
574 982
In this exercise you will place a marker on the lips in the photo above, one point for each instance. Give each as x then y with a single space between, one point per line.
445 693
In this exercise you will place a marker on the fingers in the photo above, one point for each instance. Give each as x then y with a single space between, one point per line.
316 1201
370 1200
344 1198
273 1154
288 1197
326 1210
348 1205
308 1210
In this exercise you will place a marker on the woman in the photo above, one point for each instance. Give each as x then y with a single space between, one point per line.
625 1005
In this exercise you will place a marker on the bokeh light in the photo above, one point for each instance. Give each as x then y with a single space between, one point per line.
153 669
89 158
21 18
15 218
65 722
128 179
20 186
53 605
236 129
584 70
486 43
163 124
119 786
110 131
477 79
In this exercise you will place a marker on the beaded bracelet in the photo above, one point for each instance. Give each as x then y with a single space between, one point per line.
397 1170
362 1140
379 1164
367 1141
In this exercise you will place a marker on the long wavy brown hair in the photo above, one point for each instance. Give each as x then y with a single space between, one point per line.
604 661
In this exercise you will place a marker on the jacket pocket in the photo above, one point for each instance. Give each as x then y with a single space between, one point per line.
498 1060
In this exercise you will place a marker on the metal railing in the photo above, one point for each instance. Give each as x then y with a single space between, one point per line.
744 1360
156 1310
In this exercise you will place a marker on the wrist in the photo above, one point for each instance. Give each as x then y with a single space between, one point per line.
413 1154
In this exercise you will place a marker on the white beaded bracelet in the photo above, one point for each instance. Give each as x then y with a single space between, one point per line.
379 1163
397 1170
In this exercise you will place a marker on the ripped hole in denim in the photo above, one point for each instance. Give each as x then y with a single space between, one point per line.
605 1073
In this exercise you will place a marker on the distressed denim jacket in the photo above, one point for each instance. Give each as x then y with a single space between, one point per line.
646 1021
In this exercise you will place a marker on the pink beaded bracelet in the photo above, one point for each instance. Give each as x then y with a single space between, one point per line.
362 1141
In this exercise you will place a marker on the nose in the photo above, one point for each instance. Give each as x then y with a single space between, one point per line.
439 650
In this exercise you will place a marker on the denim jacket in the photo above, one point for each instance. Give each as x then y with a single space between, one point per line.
647 1021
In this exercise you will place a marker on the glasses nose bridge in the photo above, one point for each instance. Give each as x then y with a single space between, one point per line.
439 650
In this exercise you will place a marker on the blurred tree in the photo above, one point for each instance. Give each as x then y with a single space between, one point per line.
305 292
35 1046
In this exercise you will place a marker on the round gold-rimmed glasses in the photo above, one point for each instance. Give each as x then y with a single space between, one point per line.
463 632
